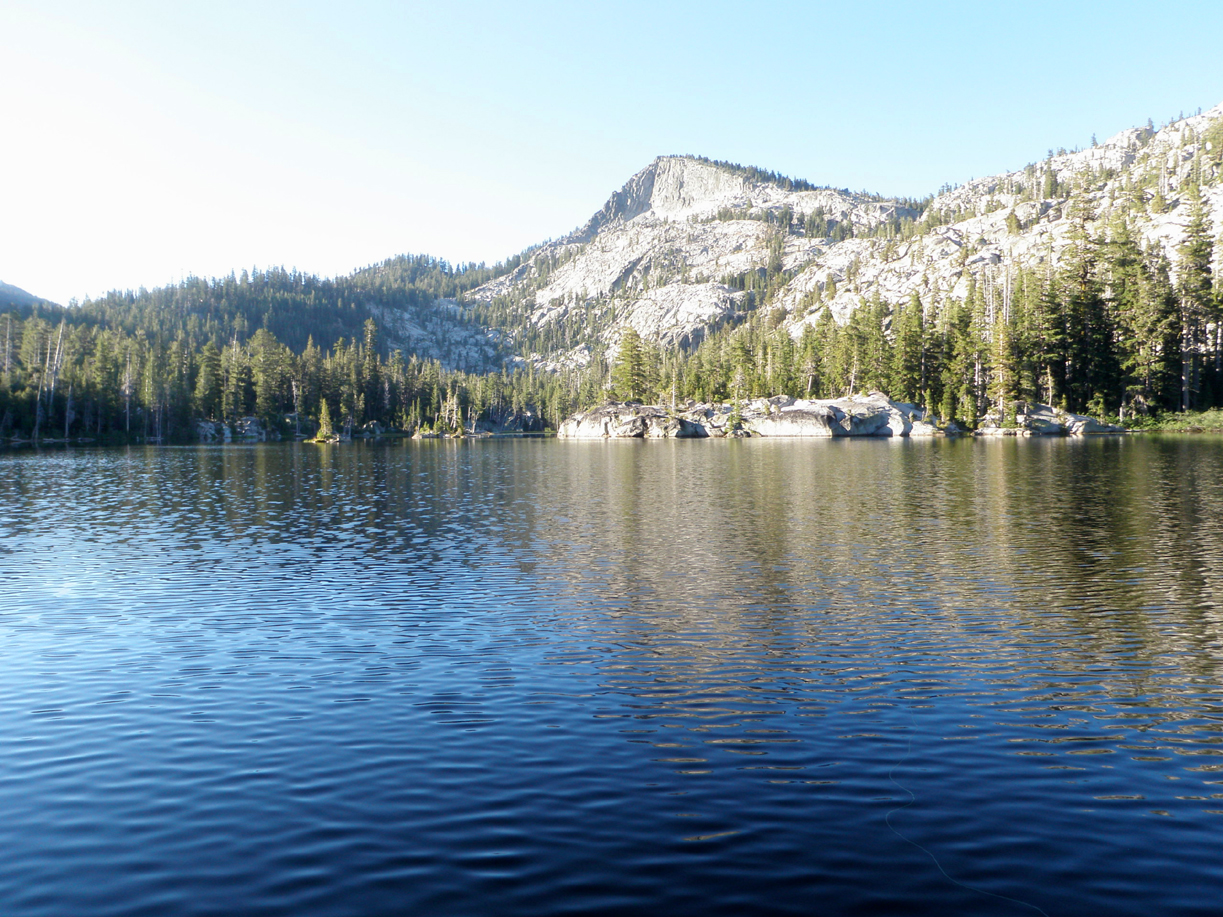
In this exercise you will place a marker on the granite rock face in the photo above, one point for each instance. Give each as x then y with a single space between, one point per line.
673 251
857 415
681 249
782 417
629 420
792 418
1043 420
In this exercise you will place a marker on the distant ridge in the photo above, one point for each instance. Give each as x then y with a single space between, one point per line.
15 296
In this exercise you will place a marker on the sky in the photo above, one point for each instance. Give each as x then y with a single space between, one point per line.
143 142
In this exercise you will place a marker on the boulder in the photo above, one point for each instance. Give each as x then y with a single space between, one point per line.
208 431
816 420
251 429
1080 425
617 420
856 415
505 420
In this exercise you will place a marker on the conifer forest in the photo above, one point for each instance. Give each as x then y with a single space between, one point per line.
1113 326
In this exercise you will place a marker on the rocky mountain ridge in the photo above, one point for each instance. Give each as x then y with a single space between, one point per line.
690 245
678 250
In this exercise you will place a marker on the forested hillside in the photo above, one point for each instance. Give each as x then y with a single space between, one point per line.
1086 281
12 297
1114 327
395 348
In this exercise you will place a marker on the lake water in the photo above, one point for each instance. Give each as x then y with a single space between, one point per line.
681 678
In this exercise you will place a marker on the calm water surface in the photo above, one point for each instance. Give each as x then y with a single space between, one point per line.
535 678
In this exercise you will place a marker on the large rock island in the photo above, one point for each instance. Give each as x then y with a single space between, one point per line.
783 416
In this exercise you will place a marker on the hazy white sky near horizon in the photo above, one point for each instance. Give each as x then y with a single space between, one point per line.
143 141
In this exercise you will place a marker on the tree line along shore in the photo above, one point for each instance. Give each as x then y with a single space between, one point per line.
1118 331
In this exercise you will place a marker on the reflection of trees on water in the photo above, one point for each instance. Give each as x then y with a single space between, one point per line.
1116 553
380 508
1068 552
730 587
1101 547
1064 557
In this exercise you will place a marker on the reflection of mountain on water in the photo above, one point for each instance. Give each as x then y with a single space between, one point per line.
673 673
687 565
1101 546
1057 555
1092 529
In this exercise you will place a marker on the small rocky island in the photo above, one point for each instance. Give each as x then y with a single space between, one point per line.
786 417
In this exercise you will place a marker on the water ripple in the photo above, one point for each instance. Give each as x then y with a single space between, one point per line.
544 678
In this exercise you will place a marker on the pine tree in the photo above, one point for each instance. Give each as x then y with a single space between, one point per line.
270 372
325 428
1195 294
909 352
371 365
630 374
959 400
1091 367
1148 332
1004 365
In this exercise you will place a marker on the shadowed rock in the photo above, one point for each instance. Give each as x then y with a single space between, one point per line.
1043 420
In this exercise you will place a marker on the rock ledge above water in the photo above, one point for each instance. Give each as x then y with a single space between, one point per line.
785 417
1043 420
780 416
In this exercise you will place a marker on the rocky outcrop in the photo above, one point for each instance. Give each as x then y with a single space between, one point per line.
680 314
655 256
1043 420
440 330
629 420
782 416
857 415
251 429
208 431
792 418
507 421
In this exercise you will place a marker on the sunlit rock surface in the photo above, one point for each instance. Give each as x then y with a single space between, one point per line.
670 253
782 416
629 420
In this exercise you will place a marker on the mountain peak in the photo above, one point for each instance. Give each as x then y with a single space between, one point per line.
690 243
686 187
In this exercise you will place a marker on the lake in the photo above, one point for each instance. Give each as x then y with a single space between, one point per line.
530 677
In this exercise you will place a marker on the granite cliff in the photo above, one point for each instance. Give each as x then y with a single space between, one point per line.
671 252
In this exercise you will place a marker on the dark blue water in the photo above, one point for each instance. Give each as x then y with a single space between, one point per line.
534 678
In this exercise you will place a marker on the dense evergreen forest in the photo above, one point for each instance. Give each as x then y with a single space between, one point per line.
149 364
1107 332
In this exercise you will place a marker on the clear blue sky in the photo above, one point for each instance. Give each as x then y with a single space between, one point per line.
141 141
